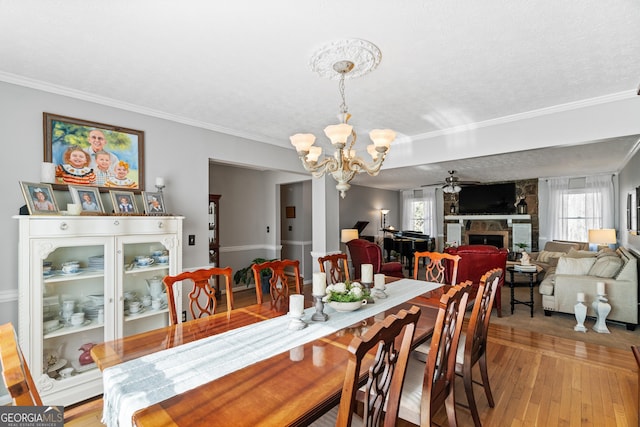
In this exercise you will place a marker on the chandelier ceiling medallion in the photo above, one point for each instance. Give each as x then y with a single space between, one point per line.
343 60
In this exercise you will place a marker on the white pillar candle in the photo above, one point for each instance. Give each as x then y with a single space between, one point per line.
600 287
319 283
296 304
159 181
580 297
48 172
378 281
366 273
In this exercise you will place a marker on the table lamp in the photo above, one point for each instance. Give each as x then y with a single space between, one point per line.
603 237
348 234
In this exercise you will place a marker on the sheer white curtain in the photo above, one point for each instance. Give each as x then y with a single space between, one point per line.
419 210
572 211
600 201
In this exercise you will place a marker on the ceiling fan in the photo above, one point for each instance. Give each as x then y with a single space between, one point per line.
453 184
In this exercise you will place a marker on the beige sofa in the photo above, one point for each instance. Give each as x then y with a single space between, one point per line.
579 271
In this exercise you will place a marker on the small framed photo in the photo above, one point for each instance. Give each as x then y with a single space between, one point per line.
123 201
154 204
39 198
88 198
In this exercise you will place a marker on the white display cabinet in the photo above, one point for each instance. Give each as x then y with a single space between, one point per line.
54 344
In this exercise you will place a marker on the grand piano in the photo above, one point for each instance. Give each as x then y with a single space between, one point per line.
406 243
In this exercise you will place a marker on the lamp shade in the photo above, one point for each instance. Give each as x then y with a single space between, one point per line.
338 134
384 211
605 236
348 234
302 141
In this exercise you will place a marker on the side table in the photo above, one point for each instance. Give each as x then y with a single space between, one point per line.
512 284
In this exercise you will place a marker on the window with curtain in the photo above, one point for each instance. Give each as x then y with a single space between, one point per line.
578 205
418 209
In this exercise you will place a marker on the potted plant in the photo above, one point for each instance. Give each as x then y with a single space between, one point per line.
521 246
346 296
245 275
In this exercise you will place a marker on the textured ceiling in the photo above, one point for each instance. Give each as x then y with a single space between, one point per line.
242 67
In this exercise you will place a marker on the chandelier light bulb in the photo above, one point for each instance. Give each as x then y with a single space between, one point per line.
338 134
314 154
302 141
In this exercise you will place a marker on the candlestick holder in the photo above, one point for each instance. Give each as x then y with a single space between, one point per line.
602 308
368 286
319 316
379 293
581 314
159 188
296 323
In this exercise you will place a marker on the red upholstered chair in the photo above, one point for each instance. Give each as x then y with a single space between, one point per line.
476 260
365 252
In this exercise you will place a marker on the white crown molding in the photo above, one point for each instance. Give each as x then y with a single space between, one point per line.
72 93
109 102
529 114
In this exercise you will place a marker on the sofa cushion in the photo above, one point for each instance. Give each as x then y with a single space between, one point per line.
574 266
606 266
573 253
546 286
544 256
555 246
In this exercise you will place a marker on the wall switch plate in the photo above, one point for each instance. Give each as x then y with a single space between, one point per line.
184 316
192 239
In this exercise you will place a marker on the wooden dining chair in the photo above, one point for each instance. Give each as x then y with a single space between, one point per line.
428 387
385 377
473 343
278 283
336 267
202 298
15 372
436 270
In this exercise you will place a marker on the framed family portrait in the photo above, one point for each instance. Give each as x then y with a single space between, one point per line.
39 198
123 201
88 198
154 203
93 154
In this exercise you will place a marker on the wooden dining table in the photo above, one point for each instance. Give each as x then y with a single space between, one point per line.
294 387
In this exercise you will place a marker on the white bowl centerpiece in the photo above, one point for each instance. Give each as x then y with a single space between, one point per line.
346 296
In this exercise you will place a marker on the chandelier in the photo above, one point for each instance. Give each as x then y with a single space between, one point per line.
340 59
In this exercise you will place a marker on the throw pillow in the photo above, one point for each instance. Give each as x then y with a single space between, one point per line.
607 252
606 266
574 253
544 256
574 266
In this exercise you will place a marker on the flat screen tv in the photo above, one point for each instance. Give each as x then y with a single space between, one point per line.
488 199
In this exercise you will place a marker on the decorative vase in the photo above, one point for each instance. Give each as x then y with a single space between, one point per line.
581 314
602 308
346 306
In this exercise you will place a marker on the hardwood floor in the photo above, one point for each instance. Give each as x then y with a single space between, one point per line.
536 379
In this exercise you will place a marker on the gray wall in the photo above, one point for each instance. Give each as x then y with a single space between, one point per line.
178 152
364 204
628 180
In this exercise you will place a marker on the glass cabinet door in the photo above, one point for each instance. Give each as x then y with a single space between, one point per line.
69 300
145 260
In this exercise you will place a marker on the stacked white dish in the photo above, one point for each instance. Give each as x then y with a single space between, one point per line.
92 306
96 262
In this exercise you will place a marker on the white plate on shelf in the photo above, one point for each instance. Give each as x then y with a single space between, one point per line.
62 273
142 310
58 365
55 328
87 322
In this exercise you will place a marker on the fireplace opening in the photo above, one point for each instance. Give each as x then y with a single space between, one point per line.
486 239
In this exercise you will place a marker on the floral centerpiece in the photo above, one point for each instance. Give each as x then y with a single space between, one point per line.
346 296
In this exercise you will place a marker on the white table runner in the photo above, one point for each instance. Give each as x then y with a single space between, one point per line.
150 379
